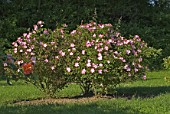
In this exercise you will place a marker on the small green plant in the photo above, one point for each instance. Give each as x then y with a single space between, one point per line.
166 65
166 62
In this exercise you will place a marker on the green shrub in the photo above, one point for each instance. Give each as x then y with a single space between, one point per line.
99 57
38 60
94 56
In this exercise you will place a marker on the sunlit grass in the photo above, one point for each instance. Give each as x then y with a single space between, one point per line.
141 97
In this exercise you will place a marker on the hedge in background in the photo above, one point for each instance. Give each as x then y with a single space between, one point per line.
151 22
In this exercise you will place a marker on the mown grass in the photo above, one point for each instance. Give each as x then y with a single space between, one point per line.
141 97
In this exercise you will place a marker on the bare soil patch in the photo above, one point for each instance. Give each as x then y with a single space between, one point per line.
59 100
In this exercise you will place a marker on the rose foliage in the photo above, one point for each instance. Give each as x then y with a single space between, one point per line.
38 58
94 56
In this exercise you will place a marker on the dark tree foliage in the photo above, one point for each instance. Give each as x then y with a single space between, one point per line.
150 21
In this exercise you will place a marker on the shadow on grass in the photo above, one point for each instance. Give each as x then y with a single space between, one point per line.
131 92
140 92
90 108
13 83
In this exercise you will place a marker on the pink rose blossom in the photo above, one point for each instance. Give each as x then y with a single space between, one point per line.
101 35
144 77
126 41
140 59
45 31
83 71
108 25
117 34
69 50
78 58
106 47
21 50
136 36
94 65
115 52
32 46
5 64
52 67
73 49
76 64
29 50
88 60
44 45
15 50
32 53
110 40
25 34
100 49
136 70
92 70
94 35
99 58
140 66
72 45
127 68
63 54
108 61
40 22
46 60
52 43
139 50
124 60
88 44
88 64
134 52
83 52
18 70
99 54
56 57
23 43
127 52
71 53
35 27
18 62
101 25
68 69
100 71
25 47
73 32
101 65
14 44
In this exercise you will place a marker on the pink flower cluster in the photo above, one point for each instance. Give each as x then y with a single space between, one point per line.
105 47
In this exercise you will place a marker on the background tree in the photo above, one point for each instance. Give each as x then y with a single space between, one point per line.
149 19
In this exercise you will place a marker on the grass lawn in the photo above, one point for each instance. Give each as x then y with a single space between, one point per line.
141 97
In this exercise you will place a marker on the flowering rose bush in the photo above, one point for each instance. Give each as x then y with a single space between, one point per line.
39 58
94 56
98 57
